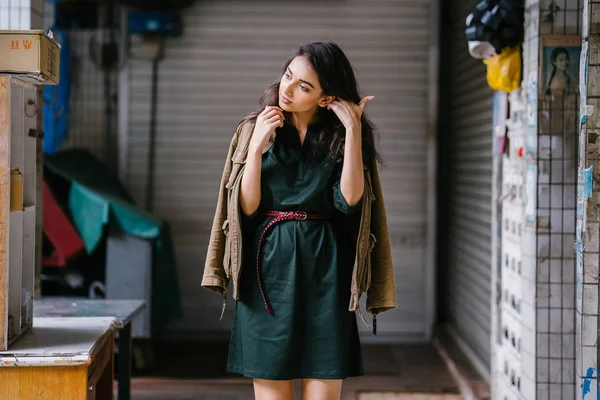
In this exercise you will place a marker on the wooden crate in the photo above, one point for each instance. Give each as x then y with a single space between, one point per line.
19 119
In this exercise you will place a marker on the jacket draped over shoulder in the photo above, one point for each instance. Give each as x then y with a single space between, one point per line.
373 270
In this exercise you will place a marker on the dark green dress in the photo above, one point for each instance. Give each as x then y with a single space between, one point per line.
306 269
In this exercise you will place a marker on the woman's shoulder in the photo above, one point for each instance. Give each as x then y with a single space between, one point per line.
243 132
245 125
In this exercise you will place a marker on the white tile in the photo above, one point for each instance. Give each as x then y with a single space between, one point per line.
589 357
14 20
568 320
3 3
569 220
556 320
591 229
543 391
589 330
543 345
543 246
555 372
556 344
568 371
568 345
568 246
4 18
555 271
543 369
529 244
527 387
590 299
568 295
556 391
543 320
527 339
528 362
555 295
579 358
528 265
556 222
25 18
568 392
543 295
528 292
590 268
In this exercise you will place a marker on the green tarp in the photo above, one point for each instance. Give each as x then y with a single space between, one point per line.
96 198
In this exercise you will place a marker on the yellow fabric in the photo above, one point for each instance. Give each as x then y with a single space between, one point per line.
504 70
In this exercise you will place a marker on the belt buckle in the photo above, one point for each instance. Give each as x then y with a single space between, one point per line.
300 215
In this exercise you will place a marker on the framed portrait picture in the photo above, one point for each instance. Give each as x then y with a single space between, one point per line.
559 69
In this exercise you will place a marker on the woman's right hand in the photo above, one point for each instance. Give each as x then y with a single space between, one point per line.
266 123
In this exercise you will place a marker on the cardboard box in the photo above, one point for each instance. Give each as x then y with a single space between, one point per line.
31 55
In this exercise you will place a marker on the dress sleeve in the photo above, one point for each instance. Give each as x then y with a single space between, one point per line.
338 199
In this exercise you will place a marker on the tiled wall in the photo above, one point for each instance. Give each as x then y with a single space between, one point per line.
560 25
21 14
588 235
537 356
556 208
515 359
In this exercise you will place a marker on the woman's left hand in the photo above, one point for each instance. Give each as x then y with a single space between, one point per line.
348 112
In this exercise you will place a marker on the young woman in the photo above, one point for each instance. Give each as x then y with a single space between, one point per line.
298 218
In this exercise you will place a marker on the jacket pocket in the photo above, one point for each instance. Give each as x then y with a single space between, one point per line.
238 160
227 254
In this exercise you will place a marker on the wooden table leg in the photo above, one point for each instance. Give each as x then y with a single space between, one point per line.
125 362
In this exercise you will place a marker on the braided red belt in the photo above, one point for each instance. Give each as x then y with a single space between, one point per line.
280 216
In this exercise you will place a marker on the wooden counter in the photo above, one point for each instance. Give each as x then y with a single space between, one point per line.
60 358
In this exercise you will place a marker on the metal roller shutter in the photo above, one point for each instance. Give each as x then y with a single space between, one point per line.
466 209
214 75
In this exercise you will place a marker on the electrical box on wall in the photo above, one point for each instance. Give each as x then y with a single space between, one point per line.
164 24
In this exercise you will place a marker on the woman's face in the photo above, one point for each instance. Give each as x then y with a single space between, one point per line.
299 89
562 62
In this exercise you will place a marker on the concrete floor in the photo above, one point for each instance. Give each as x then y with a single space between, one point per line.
414 372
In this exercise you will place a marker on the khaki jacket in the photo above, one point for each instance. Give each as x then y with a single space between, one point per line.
373 270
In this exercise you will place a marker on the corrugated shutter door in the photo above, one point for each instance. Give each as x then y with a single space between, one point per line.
470 189
213 76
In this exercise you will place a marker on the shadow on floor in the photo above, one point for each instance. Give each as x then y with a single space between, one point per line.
192 371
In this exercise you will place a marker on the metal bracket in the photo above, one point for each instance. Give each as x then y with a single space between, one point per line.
36 133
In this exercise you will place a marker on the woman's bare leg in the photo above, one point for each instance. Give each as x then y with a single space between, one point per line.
273 390
321 389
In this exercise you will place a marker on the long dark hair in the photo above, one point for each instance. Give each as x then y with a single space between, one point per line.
553 56
336 78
